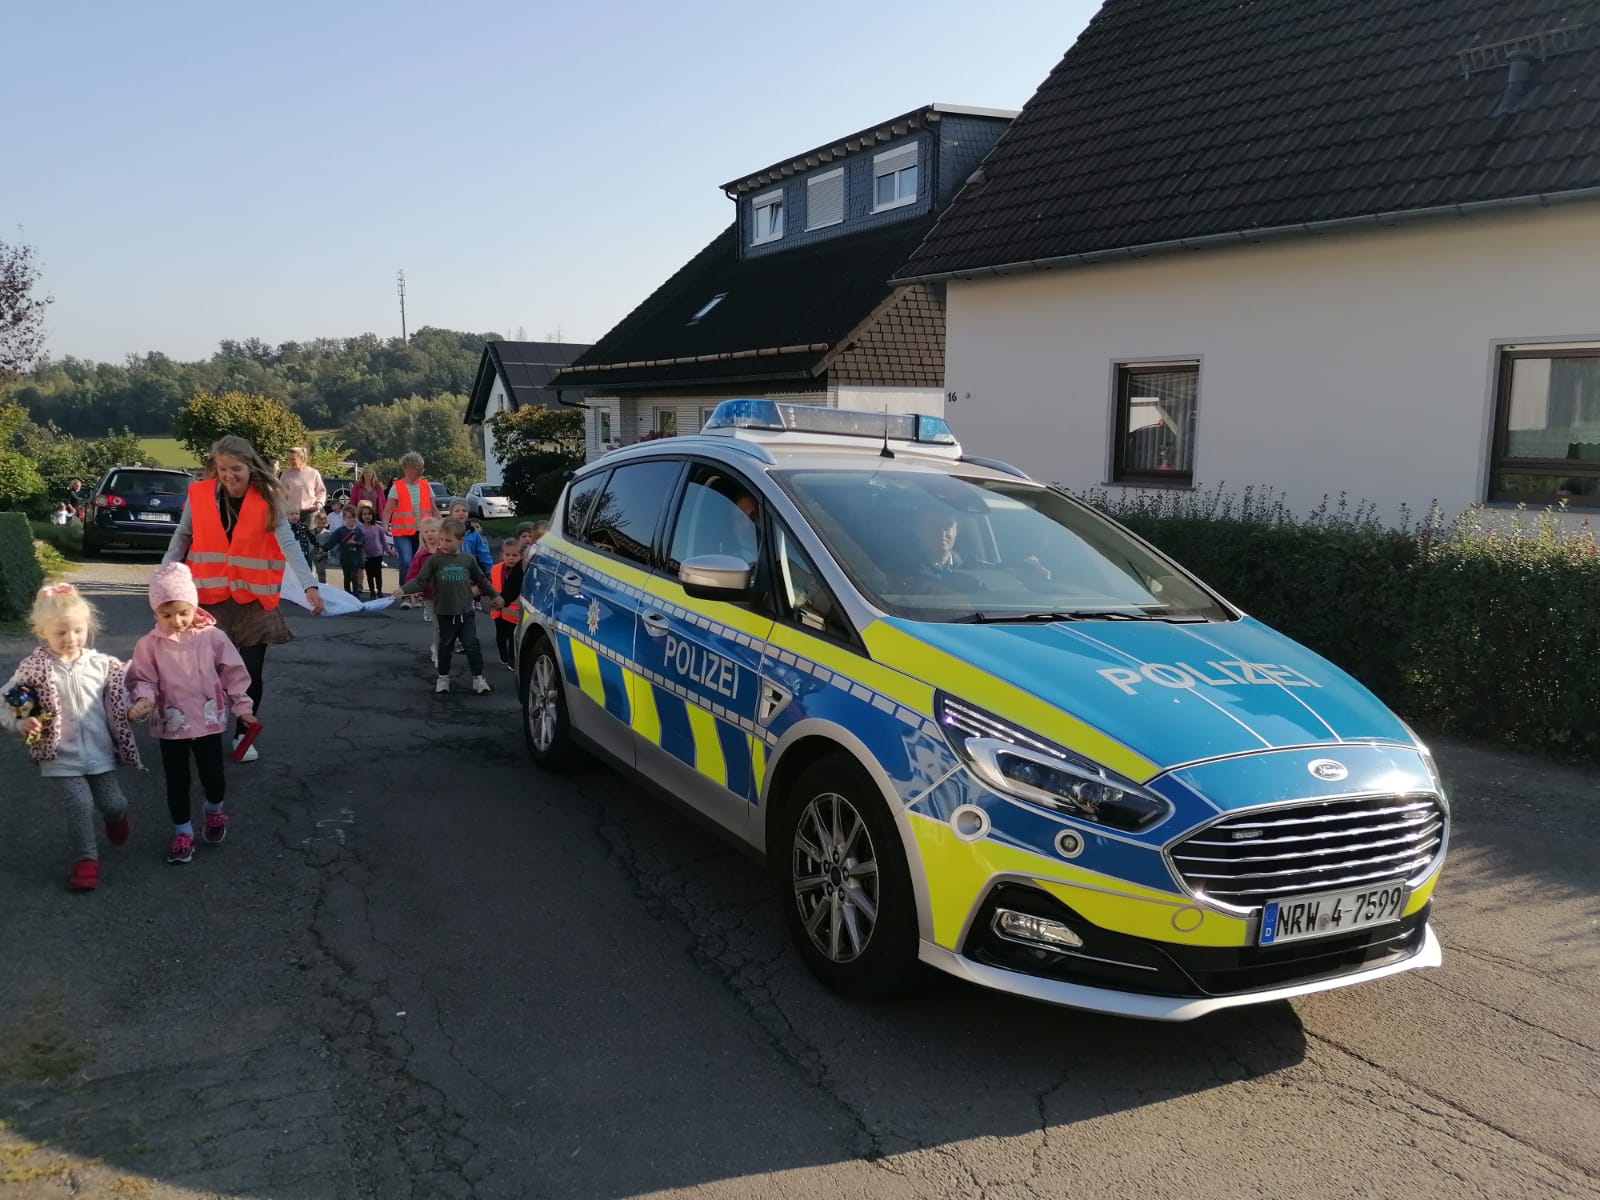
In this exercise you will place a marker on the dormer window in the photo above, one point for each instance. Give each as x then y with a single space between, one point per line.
894 178
766 218
825 199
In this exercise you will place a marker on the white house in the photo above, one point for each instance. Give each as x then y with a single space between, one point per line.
512 376
1292 250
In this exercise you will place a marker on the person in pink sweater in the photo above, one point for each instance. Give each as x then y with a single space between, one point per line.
188 674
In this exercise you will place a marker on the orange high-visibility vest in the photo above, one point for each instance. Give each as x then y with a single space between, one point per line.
404 521
247 568
511 612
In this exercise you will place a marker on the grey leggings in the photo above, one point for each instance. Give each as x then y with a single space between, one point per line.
82 795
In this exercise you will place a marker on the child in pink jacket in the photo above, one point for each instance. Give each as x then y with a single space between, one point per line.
191 677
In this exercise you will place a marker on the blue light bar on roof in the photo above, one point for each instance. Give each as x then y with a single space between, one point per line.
783 417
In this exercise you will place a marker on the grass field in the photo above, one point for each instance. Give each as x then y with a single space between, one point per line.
166 452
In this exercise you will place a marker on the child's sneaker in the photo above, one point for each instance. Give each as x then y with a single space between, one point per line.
441 684
426 615
216 827
85 876
250 754
182 848
118 829
480 685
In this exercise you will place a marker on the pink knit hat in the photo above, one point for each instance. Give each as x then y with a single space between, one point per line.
172 581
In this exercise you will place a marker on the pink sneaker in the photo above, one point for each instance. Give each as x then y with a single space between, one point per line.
216 827
182 848
85 876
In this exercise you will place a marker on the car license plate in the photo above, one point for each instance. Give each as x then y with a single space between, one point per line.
153 517
1331 912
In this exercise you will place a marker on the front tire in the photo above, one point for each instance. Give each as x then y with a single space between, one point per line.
546 726
842 878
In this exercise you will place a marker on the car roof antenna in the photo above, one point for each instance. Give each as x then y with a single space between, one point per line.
886 452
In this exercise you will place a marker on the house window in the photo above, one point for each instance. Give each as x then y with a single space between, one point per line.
825 199
766 218
602 426
705 415
1157 404
1547 427
667 422
894 178
707 307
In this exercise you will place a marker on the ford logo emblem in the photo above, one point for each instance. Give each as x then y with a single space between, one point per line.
1328 770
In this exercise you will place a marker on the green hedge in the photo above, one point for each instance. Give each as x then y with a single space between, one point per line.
1486 627
20 576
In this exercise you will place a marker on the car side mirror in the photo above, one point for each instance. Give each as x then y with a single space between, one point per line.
717 577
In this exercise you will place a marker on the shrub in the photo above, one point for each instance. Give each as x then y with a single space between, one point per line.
539 448
260 420
20 575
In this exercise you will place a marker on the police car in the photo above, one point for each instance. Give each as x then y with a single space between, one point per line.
971 722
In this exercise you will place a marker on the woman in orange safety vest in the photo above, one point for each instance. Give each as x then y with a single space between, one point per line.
410 503
236 539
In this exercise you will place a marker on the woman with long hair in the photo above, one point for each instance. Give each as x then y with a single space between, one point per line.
368 490
235 536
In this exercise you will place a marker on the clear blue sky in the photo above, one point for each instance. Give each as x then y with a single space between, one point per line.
191 170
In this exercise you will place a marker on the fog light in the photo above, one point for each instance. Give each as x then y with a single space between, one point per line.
1035 931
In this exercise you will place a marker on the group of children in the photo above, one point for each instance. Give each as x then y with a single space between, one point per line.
75 706
454 576
350 536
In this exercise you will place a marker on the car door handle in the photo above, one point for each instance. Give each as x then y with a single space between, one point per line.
655 624
574 583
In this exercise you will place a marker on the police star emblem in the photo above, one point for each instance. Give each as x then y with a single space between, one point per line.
594 617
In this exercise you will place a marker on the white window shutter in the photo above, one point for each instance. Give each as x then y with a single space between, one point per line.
825 199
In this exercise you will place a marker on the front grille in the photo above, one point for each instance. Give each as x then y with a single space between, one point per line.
1319 846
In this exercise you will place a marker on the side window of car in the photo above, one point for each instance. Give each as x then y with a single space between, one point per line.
719 515
580 503
625 513
801 596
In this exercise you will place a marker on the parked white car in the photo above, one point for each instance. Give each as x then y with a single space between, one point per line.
489 500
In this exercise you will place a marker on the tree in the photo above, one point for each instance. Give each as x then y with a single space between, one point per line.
21 311
260 420
433 428
538 448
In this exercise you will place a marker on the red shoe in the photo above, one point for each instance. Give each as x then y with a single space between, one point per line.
117 830
85 875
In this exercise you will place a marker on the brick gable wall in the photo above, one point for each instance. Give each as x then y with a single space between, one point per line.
901 345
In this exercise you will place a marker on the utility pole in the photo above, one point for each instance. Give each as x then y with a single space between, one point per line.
400 286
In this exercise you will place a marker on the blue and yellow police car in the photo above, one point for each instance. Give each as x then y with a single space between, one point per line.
972 722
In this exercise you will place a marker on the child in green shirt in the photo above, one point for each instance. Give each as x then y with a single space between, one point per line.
451 574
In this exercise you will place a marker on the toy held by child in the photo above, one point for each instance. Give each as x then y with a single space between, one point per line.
73 712
189 675
452 575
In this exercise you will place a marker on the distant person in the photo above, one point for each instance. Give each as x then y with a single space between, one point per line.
507 580
61 514
375 544
475 543
78 497
319 552
190 680
528 534
452 575
428 538
368 490
236 539
304 493
348 547
75 722
409 502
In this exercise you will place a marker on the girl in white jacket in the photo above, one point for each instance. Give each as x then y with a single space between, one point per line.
69 702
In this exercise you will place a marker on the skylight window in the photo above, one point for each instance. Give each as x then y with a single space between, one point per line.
707 307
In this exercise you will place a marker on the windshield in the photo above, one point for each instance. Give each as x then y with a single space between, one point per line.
933 547
147 483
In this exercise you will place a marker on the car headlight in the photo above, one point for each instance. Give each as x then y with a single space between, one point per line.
1017 763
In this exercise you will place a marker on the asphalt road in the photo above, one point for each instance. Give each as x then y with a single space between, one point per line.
418 968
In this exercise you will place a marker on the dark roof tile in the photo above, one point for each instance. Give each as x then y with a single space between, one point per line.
1273 112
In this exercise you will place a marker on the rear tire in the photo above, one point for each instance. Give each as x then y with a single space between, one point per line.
840 869
546 726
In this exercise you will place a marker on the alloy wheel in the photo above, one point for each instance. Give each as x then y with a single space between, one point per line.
834 874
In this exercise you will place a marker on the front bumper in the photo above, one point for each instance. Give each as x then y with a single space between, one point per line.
1156 1007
